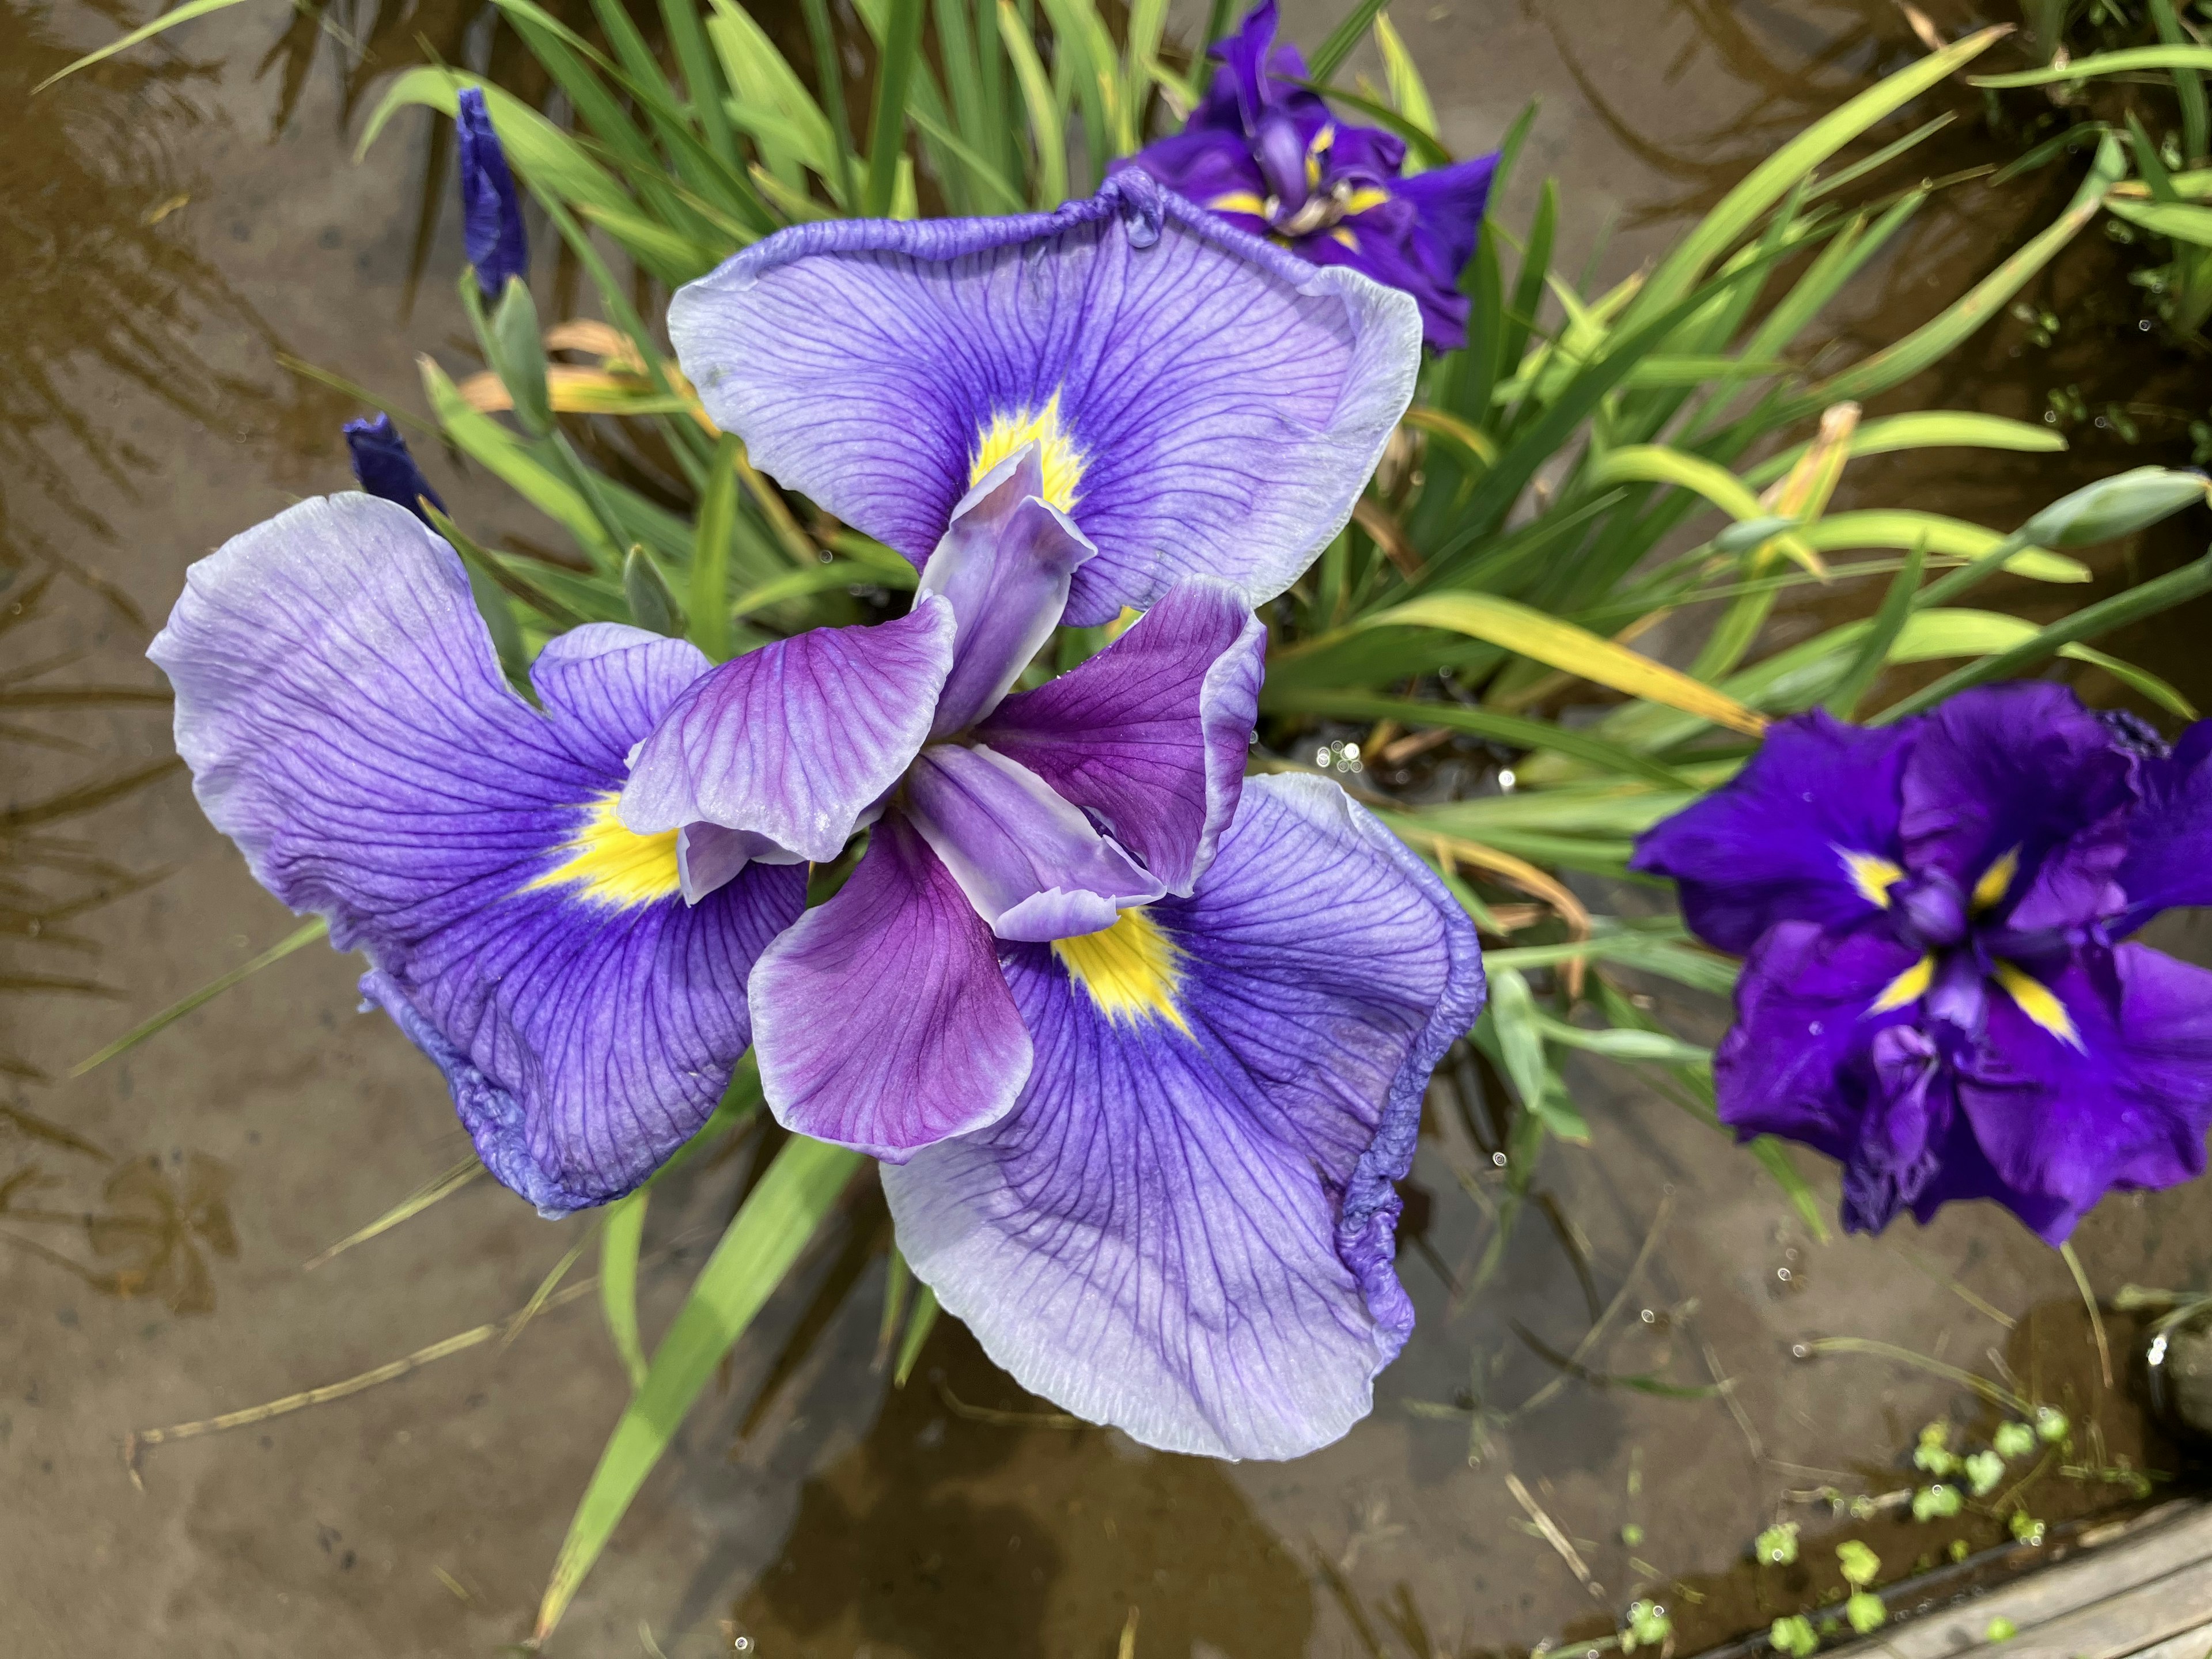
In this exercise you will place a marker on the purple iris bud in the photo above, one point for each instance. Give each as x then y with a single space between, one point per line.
491 212
386 468
1268 156
1938 987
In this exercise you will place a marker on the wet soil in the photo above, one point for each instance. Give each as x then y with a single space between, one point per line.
171 226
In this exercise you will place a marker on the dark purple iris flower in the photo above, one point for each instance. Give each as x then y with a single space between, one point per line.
491 212
384 466
1142 1044
1267 154
1937 991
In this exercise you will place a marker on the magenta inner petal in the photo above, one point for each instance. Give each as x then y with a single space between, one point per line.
1152 734
1030 862
798 741
1004 567
882 1019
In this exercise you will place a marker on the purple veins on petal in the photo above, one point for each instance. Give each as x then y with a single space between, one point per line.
1029 861
491 211
384 466
1184 1227
884 1022
347 725
1949 1016
1205 404
799 741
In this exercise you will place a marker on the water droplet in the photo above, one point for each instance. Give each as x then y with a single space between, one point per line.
1505 780
1352 751
1813 1028
1499 1158
1783 1273
1650 1317
1321 756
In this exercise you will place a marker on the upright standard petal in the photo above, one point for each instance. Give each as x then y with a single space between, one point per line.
1151 733
798 741
347 726
1206 403
1003 566
2022 797
882 1020
1031 864
1185 1227
1808 831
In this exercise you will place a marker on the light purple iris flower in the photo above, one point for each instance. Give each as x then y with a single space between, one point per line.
347 725
1267 154
1142 1046
1936 991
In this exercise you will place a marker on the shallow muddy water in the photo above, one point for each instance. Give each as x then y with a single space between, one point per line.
173 225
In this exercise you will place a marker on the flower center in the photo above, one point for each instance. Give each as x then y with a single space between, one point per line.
609 865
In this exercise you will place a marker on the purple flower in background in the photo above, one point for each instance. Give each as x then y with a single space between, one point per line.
1267 155
1936 991
491 213
348 725
1142 1048
384 466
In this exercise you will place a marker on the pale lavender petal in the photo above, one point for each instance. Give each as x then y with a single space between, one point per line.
610 682
348 726
1003 566
1226 400
798 740
1189 1234
1031 864
882 1021
1152 734
708 856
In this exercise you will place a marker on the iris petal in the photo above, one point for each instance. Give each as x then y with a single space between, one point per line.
1031 864
884 1022
1190 1235
798 740
1151 733
347 725
1230 399
1802 833
2022 775
2126 1104
1003 566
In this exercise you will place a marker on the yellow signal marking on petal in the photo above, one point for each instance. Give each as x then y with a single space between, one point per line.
1346 237
1316 150
1908 986
1132 969
1997 880
609 864
1063 462
1873 877
2038 1001
1239 201
1361 200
